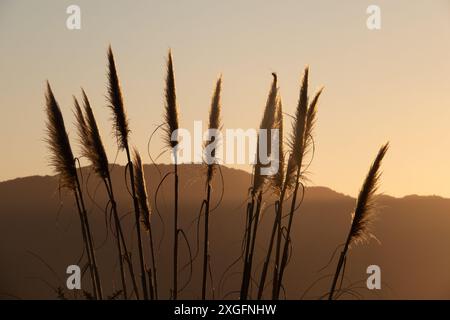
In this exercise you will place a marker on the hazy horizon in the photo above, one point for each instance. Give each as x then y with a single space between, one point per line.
241 169
390 84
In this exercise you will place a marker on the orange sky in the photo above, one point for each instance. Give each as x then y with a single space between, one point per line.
392 84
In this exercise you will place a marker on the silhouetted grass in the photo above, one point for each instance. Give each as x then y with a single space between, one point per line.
303 137
63 161
285 184
93 149
141 190
253 212
122 131
363 215
171 138
214 124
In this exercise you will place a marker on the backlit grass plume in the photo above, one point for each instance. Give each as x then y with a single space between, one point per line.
121 130
311 121
120 121
93 149
62 158
267 123
296 144
297 138
63 161
254 206
363 215
92 146
141 193
300 140
298 128
171 125
214 113
276 182
214 124
171 109
141 190
82 129
277 179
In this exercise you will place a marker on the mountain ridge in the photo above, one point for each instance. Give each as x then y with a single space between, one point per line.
35 216
317 188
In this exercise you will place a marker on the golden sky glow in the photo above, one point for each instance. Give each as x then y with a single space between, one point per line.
392 84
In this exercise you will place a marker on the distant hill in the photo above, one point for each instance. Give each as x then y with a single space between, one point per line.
36 219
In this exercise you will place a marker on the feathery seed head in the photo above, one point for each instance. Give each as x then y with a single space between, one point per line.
115 99
141 189
171 109
278 179
93 145
267 123
214 124
62 158
214 113
298 130
297 137
81 125
311 116
364 211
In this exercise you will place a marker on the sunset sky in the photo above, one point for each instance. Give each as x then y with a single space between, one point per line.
390 84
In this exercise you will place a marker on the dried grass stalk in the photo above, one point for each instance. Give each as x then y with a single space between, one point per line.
268 122
364 211
363 215
214 124
141 193
63 161
62 158
121 131
171 125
